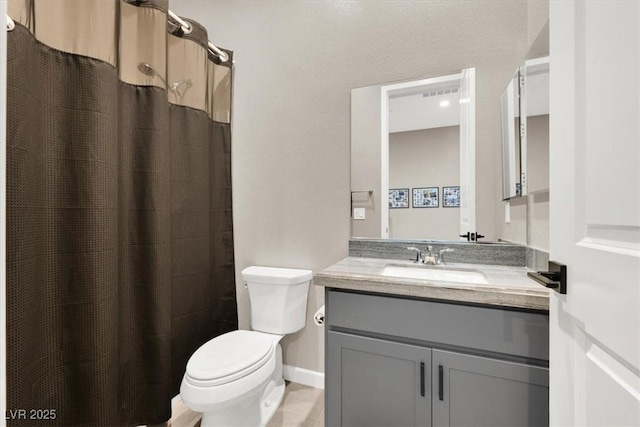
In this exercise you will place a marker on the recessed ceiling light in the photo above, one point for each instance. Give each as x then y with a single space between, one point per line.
444 103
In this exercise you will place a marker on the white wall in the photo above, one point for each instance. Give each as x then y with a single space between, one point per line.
425 158
296 64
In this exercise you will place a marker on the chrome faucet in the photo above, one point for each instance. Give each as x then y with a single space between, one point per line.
430 256
440 260
418 253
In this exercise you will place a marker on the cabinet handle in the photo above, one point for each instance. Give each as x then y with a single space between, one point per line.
422 379
440 382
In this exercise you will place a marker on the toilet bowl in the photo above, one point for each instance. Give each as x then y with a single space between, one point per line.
236 379
231 376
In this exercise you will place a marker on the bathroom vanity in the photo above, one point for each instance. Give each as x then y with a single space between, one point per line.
408 351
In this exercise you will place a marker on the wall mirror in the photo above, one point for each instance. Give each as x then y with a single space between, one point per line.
512 130
525 124
536 114
413 159
537 124
527 218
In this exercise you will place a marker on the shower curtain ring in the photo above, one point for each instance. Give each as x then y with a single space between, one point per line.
10 24
224 57
184 25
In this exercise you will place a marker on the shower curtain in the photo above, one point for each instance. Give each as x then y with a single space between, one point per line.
119 224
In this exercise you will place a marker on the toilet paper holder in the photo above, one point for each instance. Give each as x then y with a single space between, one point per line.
318 317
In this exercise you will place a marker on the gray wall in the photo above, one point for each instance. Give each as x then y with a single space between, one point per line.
296 65
514 231
537 18
366 167
425 158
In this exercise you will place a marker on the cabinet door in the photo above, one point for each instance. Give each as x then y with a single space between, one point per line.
371 382
479 391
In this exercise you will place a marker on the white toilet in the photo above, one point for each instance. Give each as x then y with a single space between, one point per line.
236 379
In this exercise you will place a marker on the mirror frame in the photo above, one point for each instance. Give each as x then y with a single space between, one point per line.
535 63
514 151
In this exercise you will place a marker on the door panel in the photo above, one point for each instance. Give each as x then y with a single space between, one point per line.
478 391
373 382
599 370
595 212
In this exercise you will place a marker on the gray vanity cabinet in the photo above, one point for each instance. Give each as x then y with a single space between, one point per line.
479 391
397 361
377 383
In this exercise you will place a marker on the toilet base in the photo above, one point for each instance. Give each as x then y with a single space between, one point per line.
254 410
272 398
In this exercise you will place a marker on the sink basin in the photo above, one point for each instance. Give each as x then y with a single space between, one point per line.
442 274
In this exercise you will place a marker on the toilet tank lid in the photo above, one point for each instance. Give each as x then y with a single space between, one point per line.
276 276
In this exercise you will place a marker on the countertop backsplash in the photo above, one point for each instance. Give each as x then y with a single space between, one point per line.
507 254
537 259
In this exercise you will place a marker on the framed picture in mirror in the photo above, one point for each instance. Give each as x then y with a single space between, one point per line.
398 198
426 197
451 197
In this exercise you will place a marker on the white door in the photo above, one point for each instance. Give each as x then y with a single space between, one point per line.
467 152
595 212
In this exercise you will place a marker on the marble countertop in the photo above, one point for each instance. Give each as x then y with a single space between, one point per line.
507 287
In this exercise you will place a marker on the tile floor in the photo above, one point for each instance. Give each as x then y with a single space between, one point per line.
301 406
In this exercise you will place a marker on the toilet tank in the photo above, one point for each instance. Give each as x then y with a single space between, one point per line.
278 298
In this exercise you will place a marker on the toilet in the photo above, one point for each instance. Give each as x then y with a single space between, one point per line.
236 379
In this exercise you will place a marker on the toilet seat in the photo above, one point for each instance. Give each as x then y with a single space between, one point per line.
229 357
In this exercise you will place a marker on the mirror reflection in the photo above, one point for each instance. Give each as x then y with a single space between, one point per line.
511 133
404 162
424 159
525 124
413 168
528 216
537 124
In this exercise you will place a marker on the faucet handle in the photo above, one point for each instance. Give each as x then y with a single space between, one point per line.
441 255
418 252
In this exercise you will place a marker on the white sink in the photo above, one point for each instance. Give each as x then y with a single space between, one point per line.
436 273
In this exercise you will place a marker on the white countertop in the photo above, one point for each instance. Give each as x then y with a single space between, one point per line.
507 287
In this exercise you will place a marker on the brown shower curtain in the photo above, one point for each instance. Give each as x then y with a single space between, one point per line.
119 227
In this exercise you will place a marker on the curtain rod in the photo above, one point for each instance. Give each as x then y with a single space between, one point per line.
186 27
10 24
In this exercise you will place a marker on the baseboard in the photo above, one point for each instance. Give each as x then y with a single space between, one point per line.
303 376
